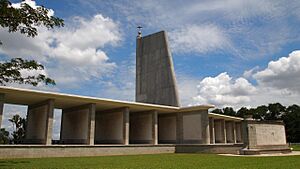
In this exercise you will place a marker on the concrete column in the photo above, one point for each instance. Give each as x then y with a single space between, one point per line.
91 129
78 125
126 126
224 128
212 131
205 127
179 128
40 123
154 128
1 107
234 132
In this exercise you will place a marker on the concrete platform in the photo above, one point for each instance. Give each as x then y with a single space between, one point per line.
40 151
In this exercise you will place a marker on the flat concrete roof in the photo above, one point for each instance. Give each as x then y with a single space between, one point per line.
28 97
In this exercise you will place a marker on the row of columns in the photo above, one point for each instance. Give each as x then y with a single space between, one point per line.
223 131
84 125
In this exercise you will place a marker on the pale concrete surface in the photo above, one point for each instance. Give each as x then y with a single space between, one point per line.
154 127
238 129
212 130
109 127
167 129
39 123
64 101
265 134
209 148
229 132
219 131
77 125
192 128
155 77
141 128
293 153
81 151
1 106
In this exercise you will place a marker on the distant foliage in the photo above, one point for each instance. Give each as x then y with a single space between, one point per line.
10 72
19 124
275 111
4 136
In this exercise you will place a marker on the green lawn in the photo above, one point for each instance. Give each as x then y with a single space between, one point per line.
170 161
296 147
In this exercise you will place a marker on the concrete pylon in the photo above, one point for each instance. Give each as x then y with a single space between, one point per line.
155 77
1 107
39 123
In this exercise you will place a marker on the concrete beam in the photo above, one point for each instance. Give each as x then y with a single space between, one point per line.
1 106
40 123
78 125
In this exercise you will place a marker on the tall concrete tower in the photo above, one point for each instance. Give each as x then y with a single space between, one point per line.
155 77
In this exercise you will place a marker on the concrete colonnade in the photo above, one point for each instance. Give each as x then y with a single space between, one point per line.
225 131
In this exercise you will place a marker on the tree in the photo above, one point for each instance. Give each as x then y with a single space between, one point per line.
19 124
24 20
4 136
291 119
275 111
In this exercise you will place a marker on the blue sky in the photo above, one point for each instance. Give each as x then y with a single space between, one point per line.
225 52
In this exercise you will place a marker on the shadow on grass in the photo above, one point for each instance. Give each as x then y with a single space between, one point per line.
11 163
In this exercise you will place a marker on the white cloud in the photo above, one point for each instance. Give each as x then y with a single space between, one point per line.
282 74
199 39
279 82
71 54
224 90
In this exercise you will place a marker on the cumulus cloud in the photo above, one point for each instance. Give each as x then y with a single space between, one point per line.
199 39
71 54
224 90
279 82
282 74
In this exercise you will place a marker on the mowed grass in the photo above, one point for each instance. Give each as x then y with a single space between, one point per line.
161 161
296 147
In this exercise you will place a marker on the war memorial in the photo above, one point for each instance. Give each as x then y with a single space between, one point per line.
155 123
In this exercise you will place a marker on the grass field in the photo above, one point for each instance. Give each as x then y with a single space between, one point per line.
296 147
170 161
